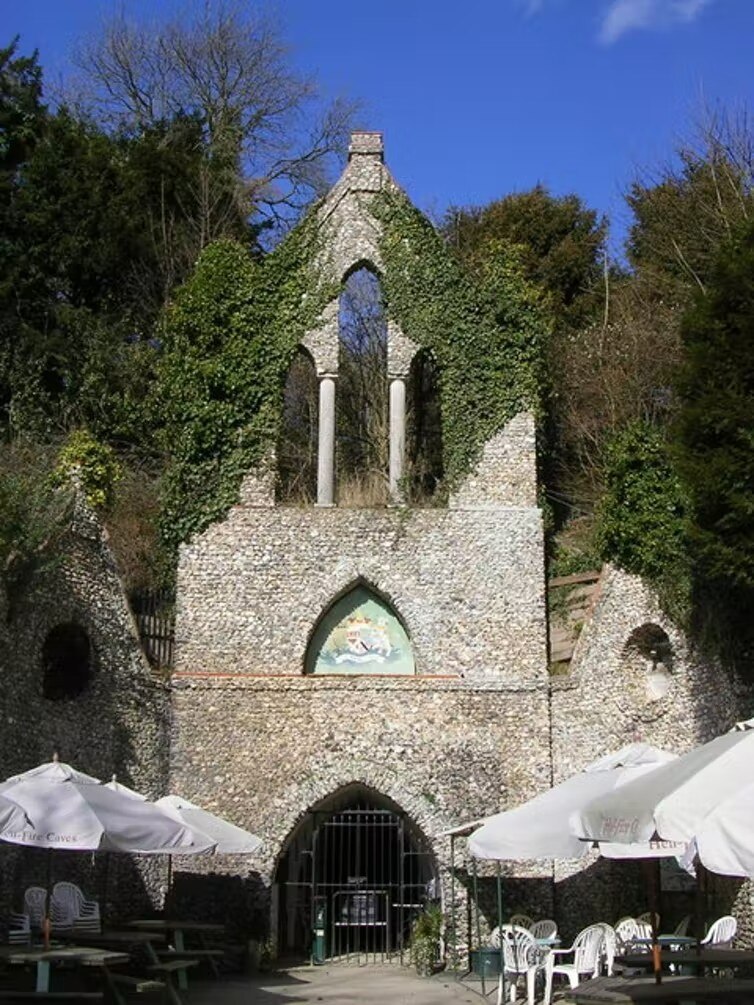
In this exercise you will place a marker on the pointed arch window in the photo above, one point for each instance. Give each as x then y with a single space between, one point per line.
360 634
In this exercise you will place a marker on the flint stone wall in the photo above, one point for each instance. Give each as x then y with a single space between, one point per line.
255 738
118 725
604 703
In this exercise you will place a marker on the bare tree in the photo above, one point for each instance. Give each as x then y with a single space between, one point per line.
612 374
264 130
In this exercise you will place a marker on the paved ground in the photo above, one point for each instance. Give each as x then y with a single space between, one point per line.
335 985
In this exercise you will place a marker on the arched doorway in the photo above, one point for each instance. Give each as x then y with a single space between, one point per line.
351 879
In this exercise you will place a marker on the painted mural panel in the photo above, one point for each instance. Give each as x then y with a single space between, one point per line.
360 634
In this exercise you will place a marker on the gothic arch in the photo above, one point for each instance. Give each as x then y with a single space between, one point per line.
296 450
359 631
333 775
357 867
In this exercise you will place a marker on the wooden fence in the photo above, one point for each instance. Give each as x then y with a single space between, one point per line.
154 612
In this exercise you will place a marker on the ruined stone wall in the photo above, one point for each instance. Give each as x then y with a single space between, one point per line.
609 700
255 738
117 725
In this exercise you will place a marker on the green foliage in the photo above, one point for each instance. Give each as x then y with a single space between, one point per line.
90 463
641 519
715 427
486 339
229 340
561 242
681 221
426 932
34 514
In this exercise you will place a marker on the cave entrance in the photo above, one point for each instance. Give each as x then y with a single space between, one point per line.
352 878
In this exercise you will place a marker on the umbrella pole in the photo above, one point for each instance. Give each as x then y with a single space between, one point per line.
46 922
170 882
105 885
652 866
699 906
478 928
501 963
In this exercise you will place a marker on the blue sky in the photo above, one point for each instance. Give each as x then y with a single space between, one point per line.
484 97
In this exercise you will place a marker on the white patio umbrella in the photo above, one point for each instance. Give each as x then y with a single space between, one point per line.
700 796
69 810
540 828
222 837
227 837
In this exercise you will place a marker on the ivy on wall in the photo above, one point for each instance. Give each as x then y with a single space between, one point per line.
230 337
487 338
642 518
235 325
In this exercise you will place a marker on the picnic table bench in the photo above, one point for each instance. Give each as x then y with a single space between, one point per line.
172 969
672 991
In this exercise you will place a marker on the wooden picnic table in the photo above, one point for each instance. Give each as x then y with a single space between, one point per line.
122 939
700 959
672 991
177 929
81 956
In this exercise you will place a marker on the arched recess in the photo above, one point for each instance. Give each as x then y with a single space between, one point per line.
360 633
356 870
67 662
296 451
362 392
648 660
424 462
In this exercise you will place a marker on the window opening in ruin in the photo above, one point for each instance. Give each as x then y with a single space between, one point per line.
296 452
360 634
353 877
424 466
66 662
362 435
648 650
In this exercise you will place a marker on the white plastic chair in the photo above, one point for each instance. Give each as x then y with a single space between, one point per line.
628 930
19 930
544 929
70 909
587 950
721 932
646 919
521 921
35 899
522 957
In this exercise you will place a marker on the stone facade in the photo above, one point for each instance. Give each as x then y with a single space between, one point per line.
117 724
256 738
609 699
479 727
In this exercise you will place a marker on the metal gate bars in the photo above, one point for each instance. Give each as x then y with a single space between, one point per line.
368 875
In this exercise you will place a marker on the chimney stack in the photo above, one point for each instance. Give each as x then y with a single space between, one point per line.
364 144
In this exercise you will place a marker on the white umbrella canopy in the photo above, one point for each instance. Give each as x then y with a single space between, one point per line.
69 810
227 837
539 829
724 841
699 797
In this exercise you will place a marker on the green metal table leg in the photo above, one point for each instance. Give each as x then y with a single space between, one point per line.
180 948
43 976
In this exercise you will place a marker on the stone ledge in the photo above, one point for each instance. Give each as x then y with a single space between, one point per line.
293 682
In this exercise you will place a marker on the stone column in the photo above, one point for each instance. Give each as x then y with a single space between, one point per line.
397 435
326 451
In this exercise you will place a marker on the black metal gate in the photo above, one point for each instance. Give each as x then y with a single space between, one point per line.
359 878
